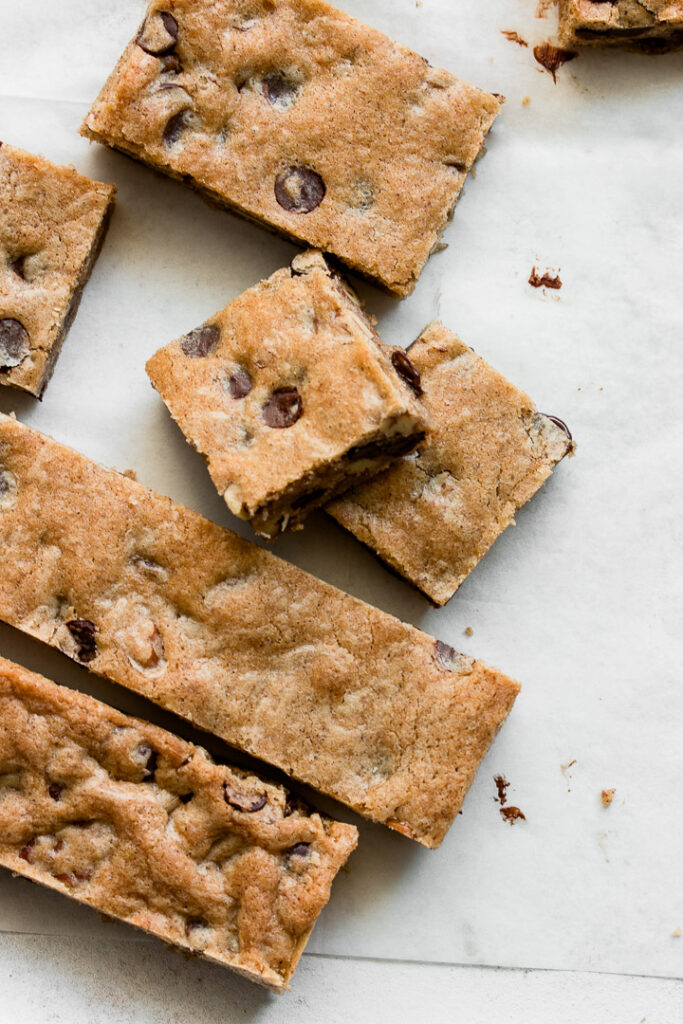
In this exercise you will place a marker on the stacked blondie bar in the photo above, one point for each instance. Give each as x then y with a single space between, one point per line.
316 126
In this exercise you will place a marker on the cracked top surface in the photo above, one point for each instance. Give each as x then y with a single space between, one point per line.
433 515
133 821
336 693
658 24
291 378
50 219
303 118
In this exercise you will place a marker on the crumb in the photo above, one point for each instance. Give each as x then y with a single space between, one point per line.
439 247
469 631
130 473
513 37
676 933
553 57
565 768
501 785
607 796
512 814
546 280
526 101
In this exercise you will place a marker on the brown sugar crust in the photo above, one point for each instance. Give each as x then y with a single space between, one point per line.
153 596
434 515
302 118
52 225
290 395
142 826
651 26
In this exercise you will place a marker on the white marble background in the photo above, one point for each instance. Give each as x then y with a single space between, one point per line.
569 917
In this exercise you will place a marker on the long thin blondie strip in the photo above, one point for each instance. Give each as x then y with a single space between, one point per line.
290 395
433 516
52 224
300 117
157 598
655 26
129 819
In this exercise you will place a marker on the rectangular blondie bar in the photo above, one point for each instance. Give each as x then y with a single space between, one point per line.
655 26
52 224
434 515
153 596
302 118
290 395
144 827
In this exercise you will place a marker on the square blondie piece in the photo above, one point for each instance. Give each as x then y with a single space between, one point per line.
434 515
52 224
151 595
144 827
290 395
295 115
655 26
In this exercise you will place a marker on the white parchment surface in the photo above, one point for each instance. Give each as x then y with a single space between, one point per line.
581 601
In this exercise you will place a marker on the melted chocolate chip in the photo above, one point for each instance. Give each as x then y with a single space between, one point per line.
280 90
201 342
553 57
26 852
394 446
149 757
175 127
446 655
247 802
83 632
283 408
405 369
193 923
19 266
170 63
239 384
307 499
299 850
299 189
15 343
55 791
185 797
159 34
561 424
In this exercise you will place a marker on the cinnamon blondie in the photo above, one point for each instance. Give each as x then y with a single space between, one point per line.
290 395
434 515
295 115
145 592
655 26
52 224
144 827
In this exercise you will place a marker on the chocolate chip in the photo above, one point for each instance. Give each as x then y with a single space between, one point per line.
193 923
18 266
283 408
393 446
247 802
446 655
170 63
26 852
299 189
561 424
55 791
8 486
159 34
148 565
185 797
299 850
239 384
612 33
308 499
176 126
280 90
149 758
72 878
83 632
406 371
201 342
15 343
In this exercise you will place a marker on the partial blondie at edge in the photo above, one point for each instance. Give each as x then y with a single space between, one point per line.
653 27
131 820
293 114
334 692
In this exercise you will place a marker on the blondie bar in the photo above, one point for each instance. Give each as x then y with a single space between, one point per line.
302 118
290 395
150 594
144 827
434 515
52 224
655 26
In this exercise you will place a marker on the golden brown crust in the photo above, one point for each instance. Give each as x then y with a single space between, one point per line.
152 595
52 224
434 515
290 395
142 826
248 92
